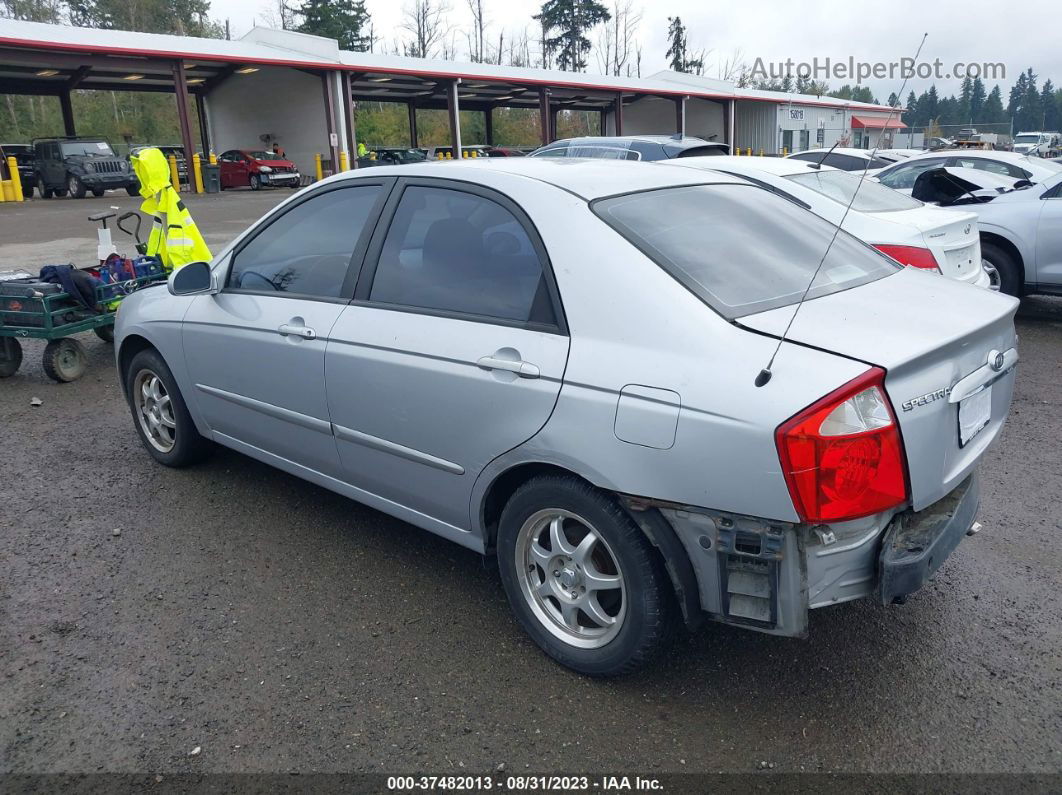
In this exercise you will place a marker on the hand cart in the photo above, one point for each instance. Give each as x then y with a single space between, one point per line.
35 310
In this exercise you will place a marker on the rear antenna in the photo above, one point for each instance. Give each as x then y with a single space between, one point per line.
765 374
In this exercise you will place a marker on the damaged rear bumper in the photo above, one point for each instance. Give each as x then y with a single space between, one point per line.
766 575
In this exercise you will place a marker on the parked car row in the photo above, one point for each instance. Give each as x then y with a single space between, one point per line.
654 392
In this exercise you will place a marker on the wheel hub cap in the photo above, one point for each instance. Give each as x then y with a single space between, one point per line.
154 411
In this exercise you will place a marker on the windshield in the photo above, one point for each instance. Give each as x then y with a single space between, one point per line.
1027 138
841 186
260 155
739 248
86 148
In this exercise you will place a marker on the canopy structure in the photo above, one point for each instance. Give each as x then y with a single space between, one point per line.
54 60
875 123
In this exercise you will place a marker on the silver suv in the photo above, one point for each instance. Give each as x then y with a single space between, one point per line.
557 363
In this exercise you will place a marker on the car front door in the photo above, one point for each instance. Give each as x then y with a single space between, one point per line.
256 349
452 352
1049 237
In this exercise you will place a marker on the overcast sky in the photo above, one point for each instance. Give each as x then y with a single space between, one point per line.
974 31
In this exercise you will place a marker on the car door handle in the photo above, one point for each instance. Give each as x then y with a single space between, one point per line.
522 369
299 331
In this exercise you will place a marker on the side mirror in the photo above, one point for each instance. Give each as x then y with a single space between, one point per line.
195 278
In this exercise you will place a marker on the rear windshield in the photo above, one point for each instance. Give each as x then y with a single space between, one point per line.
703 151
90 148
841 186
740 249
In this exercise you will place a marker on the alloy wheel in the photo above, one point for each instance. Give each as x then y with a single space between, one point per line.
154 410
570 578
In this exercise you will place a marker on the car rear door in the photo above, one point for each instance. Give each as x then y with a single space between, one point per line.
452 352
256 350
1049 237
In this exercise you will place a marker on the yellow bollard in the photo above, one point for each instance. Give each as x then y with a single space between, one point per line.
785 151
761 151
197 170
213 158
174 180
474 153
318 169
16 178
344 161
737 152
3 190
9 191
440 155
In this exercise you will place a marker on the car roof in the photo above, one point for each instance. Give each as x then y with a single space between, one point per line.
840 150
685 142
1014 158
588 178
780 166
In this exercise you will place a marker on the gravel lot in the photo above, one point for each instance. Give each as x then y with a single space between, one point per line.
145 612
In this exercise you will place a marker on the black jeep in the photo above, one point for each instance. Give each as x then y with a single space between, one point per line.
79 165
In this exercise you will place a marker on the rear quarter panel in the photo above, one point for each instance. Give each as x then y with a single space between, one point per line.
632 325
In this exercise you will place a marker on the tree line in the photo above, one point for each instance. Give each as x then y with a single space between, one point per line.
569 35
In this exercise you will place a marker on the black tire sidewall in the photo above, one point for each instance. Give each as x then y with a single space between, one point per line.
12 349
1009 278
189 447
648 608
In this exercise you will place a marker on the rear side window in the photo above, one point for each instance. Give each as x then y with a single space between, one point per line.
903 177
703 151
307 250
741 249
452 251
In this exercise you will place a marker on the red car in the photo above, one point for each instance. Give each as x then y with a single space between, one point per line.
256 168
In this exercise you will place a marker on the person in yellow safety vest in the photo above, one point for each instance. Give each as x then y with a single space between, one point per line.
174 238
362 149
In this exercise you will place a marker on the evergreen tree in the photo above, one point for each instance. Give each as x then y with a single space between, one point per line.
1017 92
572 19
1049 102
678 52
962 110
894 101
993 112
347 21
1030 114
910 116
977 100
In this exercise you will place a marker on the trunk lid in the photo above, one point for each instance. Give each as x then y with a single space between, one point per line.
951 235
929 334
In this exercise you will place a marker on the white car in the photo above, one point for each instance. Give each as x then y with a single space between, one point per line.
912 233
896 155
901 176
844 158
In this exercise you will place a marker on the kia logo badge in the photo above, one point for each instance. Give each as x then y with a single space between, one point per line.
966 231
995 360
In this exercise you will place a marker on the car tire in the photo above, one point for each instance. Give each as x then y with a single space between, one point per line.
10 356
1002 269
157 404
256 182
597 599
105 333
97 192
132 190
75 186
59 192
64 360
46 192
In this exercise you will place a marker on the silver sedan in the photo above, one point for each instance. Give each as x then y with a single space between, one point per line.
554 362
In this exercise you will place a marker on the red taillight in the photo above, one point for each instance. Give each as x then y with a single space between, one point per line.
910 255
842 457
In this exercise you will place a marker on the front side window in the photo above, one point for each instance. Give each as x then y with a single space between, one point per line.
306 250
741 249
453 251
841 186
